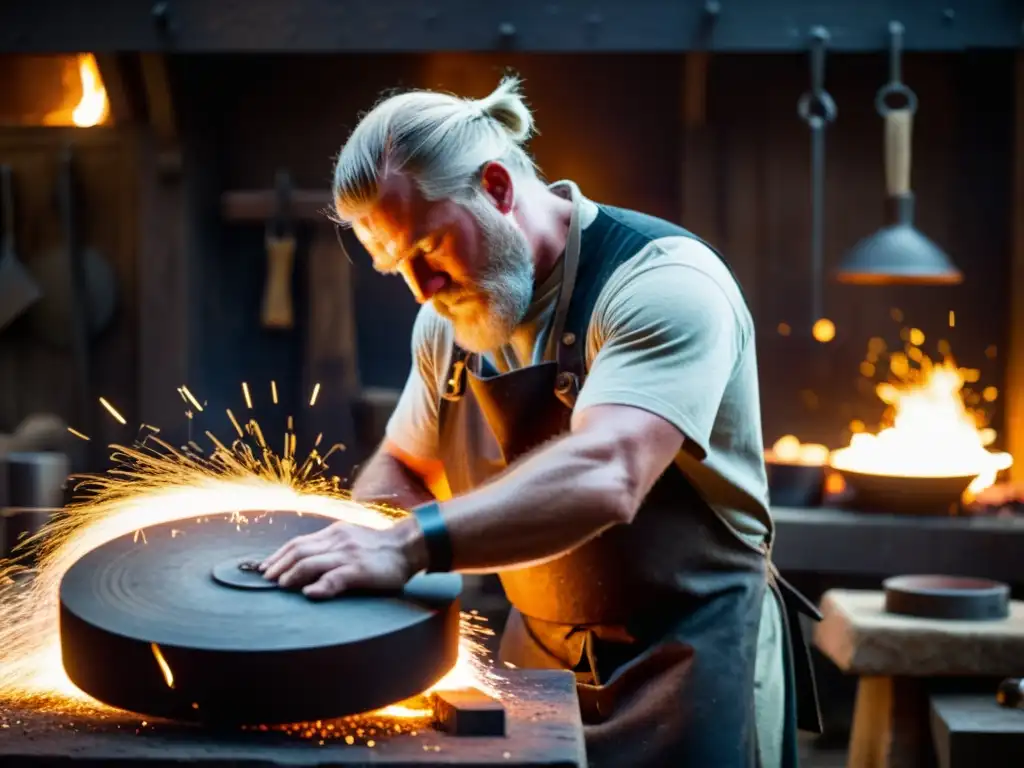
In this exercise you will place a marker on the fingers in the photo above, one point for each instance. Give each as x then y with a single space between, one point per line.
334 582
292 552
309 569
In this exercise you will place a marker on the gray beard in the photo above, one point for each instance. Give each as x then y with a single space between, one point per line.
503 292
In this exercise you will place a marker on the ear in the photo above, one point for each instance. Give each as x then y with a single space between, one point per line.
497 185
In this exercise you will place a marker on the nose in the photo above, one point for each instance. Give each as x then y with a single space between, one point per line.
423 280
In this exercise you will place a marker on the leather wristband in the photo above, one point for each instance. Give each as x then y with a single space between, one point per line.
435 537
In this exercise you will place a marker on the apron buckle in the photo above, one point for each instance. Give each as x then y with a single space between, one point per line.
456 385
567 388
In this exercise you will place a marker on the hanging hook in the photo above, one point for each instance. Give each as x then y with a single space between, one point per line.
816 107
895 86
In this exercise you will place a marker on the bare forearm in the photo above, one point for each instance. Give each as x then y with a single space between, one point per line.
554 500
386 480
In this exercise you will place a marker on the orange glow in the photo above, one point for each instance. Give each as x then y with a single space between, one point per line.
92 107
154 483
932 432
789 450
824 330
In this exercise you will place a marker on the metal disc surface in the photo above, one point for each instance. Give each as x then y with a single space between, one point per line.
180 625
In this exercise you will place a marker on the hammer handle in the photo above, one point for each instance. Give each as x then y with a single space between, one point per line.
898 127
278 311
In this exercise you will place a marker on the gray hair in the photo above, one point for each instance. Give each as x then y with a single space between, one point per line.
441 140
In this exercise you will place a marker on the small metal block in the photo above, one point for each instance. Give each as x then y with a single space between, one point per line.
468 712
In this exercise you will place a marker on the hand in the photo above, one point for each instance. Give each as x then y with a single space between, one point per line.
344 556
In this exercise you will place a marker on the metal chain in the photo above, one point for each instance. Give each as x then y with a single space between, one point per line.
906 98
817 109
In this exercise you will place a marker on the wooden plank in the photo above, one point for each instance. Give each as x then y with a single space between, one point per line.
700 213
332 361
544 729
261 205
163 291
1014 386
967 726
861 638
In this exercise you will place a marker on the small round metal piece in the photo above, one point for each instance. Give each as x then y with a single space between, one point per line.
568 338
563 382
242 573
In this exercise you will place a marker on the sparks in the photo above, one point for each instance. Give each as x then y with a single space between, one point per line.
77 434
112 410
273 391
248 397
165 668
150 483
191 398
316 391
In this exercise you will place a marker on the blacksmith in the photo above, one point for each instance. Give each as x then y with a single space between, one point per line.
581 417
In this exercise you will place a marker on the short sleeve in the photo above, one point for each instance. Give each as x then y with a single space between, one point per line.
665 338
413 425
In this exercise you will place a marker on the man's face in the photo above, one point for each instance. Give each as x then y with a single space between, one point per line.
470 260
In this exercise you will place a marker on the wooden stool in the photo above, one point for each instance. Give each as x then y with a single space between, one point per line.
899 660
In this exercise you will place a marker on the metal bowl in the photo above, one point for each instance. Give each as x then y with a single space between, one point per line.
899 494
795 485
947 597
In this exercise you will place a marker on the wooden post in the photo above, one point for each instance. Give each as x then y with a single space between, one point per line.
1014 387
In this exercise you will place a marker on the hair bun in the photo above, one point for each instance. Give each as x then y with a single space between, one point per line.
505 104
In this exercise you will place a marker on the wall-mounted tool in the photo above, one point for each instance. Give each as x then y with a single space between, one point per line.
18 291
817 109
278 310
898 253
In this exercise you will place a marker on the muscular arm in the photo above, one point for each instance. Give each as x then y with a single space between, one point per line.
560 496
397 478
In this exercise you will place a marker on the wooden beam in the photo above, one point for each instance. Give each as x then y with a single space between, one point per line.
160 110
331 346
1014 387
261 205
699 150
122 110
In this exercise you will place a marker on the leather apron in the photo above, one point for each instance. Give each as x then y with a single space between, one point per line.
658 619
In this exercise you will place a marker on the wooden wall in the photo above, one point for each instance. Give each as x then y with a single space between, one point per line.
615 124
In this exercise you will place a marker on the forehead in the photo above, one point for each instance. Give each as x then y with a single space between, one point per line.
397 219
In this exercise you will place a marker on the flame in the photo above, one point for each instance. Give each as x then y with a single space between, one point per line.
933 433
789 450
93 107
153 483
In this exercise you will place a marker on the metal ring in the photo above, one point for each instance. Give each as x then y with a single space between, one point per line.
816 108
895 89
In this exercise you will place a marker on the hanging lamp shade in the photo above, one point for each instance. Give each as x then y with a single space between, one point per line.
898 254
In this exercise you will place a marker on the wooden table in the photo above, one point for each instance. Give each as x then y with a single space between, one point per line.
900 661
543 728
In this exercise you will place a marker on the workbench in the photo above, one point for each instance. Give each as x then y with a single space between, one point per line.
838 543
543 728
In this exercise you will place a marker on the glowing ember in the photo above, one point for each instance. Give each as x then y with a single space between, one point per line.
931 430
153 483
789 450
